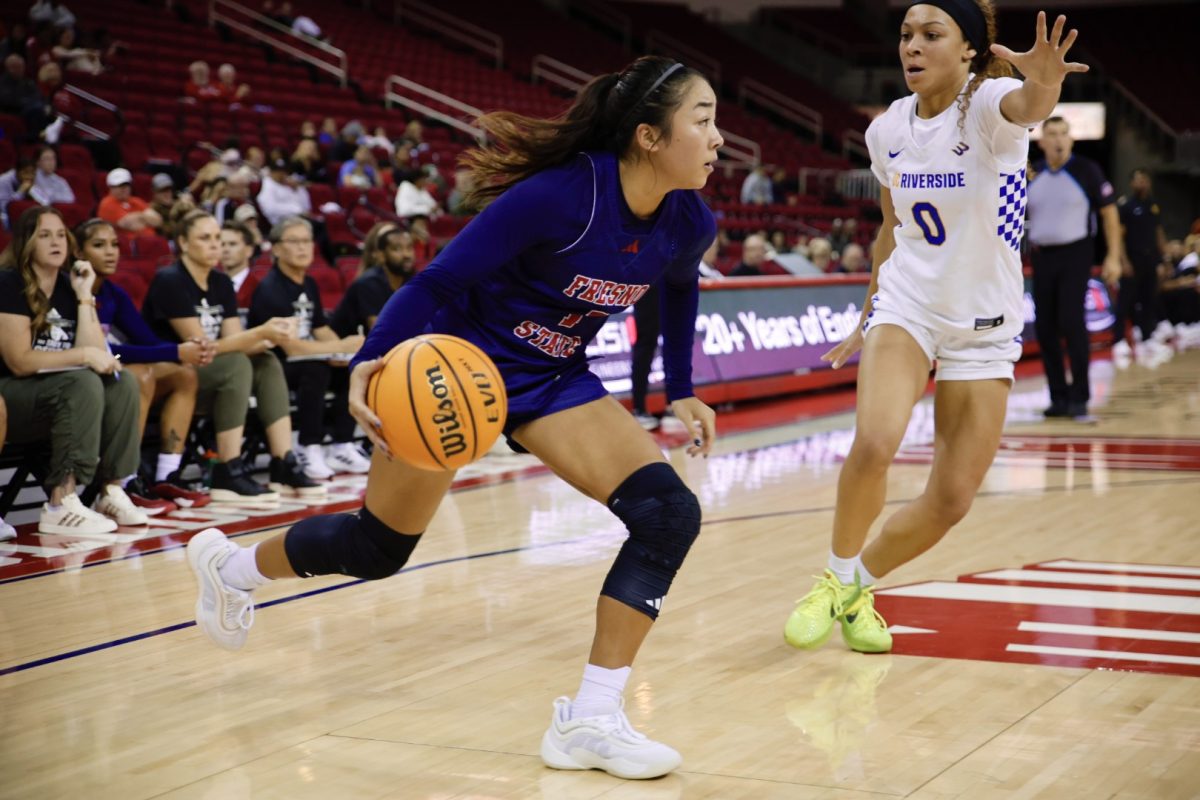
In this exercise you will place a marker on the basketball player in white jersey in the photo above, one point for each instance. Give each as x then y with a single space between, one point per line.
946 289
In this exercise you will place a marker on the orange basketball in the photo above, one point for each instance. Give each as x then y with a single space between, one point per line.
441 401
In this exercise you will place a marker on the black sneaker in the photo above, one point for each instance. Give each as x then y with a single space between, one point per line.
145 498
287 477
231 483
1056 410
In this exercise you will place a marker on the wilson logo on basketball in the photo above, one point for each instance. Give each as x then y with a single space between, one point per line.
440 400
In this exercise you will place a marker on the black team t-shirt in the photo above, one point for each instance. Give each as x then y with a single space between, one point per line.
363 299
173 294
277 295
61 320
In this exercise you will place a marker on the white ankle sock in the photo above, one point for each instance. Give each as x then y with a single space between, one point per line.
600 691
864 575
240 570
167 463
842 567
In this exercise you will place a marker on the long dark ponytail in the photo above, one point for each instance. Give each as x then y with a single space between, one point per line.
604 116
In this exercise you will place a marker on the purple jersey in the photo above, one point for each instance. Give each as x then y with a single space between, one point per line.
533 277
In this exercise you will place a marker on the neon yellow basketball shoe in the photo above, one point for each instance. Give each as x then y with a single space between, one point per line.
811 621
863 628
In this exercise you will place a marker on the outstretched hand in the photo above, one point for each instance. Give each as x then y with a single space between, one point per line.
1045 63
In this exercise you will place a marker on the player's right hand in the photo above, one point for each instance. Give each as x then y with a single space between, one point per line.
360 376
846 350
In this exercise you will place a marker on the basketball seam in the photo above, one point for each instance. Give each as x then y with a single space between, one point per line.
373 386
412 400
466 402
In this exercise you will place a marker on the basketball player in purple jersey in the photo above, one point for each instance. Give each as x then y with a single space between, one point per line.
583 214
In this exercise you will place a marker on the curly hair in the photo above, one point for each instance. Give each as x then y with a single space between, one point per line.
985 65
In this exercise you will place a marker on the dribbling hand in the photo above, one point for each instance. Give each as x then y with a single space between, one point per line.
701 424
360 376
844 351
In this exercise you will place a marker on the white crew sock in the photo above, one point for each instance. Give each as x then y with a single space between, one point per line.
240 570
600 691
864 575
167 463
843 568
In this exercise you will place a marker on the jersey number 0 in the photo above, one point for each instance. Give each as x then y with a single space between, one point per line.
927 218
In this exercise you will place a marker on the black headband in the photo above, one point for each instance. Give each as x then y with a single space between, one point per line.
654 86
969 18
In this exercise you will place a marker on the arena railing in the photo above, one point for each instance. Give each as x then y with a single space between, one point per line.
251 23
397 83
414 13
858 183
662 44
854 143
745 152
99 102
608 17
752 91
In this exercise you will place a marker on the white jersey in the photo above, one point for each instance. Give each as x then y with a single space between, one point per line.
960 199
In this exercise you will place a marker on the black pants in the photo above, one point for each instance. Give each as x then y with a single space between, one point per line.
1122 309
1182 306
1147 307
310 380
1060 276
647 317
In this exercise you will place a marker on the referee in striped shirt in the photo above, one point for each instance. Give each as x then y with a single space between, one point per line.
1065 196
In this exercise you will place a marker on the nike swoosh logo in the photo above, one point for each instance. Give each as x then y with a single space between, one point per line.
893 155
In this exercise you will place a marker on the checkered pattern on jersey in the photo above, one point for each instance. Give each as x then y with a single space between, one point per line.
1012 208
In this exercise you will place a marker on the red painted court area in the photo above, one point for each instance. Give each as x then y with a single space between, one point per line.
1066 613
1090 452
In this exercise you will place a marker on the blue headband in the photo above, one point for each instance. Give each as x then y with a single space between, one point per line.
653 87
969 18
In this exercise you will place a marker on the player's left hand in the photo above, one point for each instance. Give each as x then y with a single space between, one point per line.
701 424
1045 63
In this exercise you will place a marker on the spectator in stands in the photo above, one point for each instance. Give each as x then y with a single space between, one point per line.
131 215
820 253
213 193
379 140
423 244
329 132
51 12
780 184
838 235
18 184
189 300
778 243
414 133
708 261
51 187
308 129
305 26
236 195
289 291
165 371
1181 289
404 167
162 198
48 322
754 253
72 58
413 197
200 88
395 265
17 92
372 250
231 91
254 167
15 42
281 197
52 85
248 216
463 184
756 189
854 260
184 205
347 143
237 250
360 173
307 163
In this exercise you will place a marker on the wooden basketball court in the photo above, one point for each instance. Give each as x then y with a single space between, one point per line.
1049 648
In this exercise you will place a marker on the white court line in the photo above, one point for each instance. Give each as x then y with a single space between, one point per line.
1111 566
1092 579
1116 633
1108 655
1037 596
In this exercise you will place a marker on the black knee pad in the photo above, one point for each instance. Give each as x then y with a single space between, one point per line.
663 517
359 545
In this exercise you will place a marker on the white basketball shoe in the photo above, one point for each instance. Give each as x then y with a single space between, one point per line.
224 613
606 742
